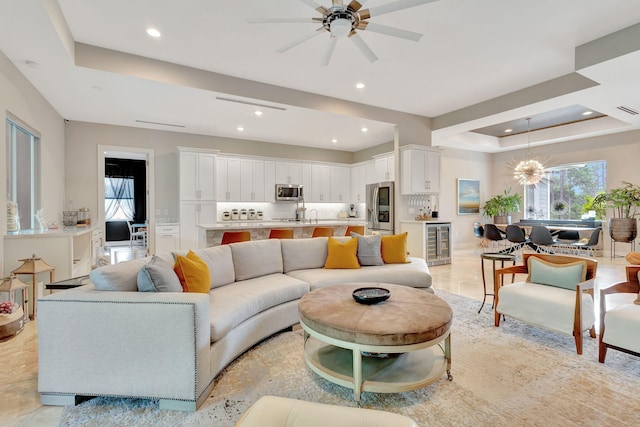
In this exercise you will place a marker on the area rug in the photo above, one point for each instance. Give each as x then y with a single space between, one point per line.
512 375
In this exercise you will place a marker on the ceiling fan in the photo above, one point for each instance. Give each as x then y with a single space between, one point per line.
345 21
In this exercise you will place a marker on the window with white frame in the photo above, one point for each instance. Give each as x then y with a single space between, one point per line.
566 191
119 202
23 174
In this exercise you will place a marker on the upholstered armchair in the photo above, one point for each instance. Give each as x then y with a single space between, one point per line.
619 316
556 295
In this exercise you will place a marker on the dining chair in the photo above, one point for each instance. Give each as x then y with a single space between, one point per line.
494 234
356 229
541 237
322 232
139 235
516 236
589 248
281 233
235 237
568 236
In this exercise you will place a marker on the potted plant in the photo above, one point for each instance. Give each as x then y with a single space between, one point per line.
624 202
499 207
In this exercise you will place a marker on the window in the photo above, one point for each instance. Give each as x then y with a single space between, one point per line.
23 173
119 203
565 191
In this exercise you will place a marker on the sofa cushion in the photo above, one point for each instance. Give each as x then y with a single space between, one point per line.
415 274
302 254
565 276
622 322
342 255
256 258
233 304
158 276
394 248
220 263
369 249
193 273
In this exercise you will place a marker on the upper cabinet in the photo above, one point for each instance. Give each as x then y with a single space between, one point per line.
383 169
288 172
241 179
358 182
252 180
320 184
196 171
228 175
420 168
340 184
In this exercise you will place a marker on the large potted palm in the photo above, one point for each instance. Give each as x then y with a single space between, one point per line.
499 207
623 202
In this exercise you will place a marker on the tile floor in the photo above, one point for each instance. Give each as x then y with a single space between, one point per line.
20 405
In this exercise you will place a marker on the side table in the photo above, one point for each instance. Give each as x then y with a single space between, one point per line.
493 257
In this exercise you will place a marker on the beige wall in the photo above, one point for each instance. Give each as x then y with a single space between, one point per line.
21 99
83 139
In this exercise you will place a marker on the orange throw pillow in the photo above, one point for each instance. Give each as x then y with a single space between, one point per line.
193 273
342 255
394 249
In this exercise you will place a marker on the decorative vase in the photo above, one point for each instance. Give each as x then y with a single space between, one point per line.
623 229
502 219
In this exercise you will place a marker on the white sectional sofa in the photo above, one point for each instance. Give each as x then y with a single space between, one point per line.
170 346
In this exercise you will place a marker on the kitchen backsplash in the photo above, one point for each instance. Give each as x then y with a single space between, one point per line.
288 209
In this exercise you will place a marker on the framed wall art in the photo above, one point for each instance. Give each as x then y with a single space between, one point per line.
468 196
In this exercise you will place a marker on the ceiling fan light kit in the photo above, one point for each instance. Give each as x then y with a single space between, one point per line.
342 21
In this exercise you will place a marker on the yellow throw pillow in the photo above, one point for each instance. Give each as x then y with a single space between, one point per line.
342 255
193 273
394 249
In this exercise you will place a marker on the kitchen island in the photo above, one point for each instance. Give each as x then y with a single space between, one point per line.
211 234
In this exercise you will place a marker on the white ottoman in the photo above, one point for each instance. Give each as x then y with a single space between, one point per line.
272 411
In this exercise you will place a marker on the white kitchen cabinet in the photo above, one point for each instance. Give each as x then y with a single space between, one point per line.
305 179
384 167
320 183
288 172
192 214
167 237
358 187
252 188
228 176
269 181
340 184
420 170
196 171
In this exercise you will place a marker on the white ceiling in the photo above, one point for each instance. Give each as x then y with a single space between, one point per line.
471 53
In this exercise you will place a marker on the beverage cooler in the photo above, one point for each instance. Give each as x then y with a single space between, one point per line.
429 240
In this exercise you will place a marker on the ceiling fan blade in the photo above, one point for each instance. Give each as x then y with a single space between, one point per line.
301 40
392 7
314 5
389 31
363 47
356 5
329 52
283 20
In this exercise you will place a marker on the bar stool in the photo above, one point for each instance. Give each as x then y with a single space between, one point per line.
281 233
354 228
235 237
322 232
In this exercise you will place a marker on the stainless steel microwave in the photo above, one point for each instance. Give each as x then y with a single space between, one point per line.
288 192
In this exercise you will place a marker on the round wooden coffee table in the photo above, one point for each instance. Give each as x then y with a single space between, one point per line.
397 345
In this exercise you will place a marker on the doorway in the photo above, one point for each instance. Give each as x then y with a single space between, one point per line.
136 166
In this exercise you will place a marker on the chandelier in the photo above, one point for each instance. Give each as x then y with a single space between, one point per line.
529 171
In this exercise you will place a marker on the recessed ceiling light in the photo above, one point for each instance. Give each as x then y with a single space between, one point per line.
360 85
364 129
334 140
153 33
258 113
508 130
240 128
587 113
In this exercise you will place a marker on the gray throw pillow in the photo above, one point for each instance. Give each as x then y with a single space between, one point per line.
369 249
158 276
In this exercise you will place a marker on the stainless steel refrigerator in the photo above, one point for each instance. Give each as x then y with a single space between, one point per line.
380 207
